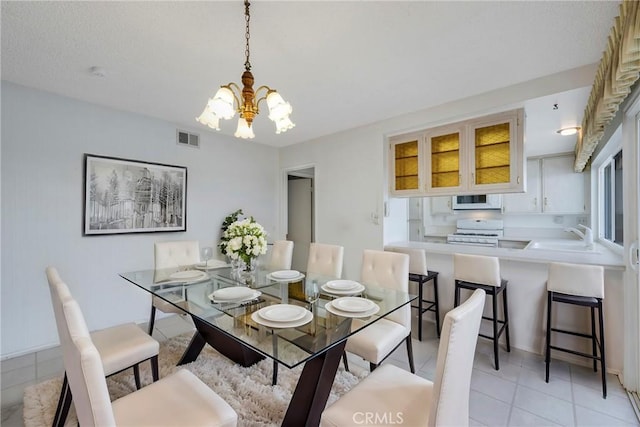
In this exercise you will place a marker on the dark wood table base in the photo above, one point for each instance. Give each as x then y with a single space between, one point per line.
223 343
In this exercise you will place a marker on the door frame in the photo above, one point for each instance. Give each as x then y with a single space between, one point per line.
284 191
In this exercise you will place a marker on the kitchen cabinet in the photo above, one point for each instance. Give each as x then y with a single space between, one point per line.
444 159
496 153
563 189
406 165
552 187
531 200
441 205
479 156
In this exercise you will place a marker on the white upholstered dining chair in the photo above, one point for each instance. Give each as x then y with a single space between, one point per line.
401 398
375 343
169 255
120 347
281 255
325 260
179 399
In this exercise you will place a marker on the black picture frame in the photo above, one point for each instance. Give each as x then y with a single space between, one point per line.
123 196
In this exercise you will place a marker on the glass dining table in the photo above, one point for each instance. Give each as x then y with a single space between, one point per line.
268 314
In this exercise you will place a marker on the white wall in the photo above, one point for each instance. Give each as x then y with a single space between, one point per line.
44 137
351 166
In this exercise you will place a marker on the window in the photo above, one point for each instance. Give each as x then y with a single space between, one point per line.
611 209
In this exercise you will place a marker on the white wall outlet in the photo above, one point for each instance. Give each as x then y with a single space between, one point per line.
581 220
558 219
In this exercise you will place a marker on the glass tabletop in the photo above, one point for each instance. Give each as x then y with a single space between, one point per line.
273 315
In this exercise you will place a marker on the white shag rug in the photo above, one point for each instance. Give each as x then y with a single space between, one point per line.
247 390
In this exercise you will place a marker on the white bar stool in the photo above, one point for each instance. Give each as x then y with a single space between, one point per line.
419 273
581 285
483 272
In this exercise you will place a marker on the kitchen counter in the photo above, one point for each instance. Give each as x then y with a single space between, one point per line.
527 270
599 256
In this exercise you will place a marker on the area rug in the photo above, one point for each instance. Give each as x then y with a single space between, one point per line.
247 390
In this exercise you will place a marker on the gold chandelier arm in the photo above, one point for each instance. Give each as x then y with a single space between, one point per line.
231 86
267 89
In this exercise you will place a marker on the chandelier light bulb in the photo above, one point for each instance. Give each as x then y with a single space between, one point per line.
244 131
209 119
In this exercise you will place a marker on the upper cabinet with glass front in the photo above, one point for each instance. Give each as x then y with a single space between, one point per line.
496 153
479 156
405 155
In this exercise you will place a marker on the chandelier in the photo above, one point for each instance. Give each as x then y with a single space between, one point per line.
226 101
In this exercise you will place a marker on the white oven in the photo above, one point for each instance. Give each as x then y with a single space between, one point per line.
477 201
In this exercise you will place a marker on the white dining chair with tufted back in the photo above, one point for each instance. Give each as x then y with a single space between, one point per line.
325 260
179 399
171 255
375 343
120 347
281 255
391 396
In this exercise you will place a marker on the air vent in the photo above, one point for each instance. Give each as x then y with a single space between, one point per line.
188 139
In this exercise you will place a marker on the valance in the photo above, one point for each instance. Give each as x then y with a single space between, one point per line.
618 70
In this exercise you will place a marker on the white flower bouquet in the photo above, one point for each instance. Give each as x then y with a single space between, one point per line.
245 240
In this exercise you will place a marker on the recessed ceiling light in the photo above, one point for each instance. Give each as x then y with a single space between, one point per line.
569 131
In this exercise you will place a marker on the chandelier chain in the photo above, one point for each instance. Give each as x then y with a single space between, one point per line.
247 64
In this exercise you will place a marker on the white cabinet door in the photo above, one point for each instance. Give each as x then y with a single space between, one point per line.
531 201
441 205
563 189
415 208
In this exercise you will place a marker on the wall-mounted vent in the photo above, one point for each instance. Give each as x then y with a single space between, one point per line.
188 139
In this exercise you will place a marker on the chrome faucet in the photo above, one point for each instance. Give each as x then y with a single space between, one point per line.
587 236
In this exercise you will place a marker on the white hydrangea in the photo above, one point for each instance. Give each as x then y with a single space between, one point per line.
245 239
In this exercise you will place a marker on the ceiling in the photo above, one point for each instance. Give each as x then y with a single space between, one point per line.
340 64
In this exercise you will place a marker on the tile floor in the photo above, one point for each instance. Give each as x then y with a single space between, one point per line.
516 395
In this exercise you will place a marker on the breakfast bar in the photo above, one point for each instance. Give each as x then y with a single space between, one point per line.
527 272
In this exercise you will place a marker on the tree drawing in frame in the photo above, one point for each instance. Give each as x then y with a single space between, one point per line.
129 196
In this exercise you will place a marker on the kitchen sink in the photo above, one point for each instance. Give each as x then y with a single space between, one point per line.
513 244
561 246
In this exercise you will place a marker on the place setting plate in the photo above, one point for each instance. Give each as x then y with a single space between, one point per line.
285 276
352 307
234 294
188 276
342 287
282 316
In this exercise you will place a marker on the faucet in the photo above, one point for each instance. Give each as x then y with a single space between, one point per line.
587 236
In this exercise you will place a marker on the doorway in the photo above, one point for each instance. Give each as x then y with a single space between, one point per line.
300 214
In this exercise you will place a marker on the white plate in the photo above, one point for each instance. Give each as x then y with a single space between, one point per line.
234 294
353 304
353 291
285 274
331 309
294 279
342 284
308 316
187 275
282 313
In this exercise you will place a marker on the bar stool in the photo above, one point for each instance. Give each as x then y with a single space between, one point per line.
420 274
581 285
483 272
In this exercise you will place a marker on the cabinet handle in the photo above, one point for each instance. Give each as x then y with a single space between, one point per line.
518 180
448 203
473 178
545 202
535 202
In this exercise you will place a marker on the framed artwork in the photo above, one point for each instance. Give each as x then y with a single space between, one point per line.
130 196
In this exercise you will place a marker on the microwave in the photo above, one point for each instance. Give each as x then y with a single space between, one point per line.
477 201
